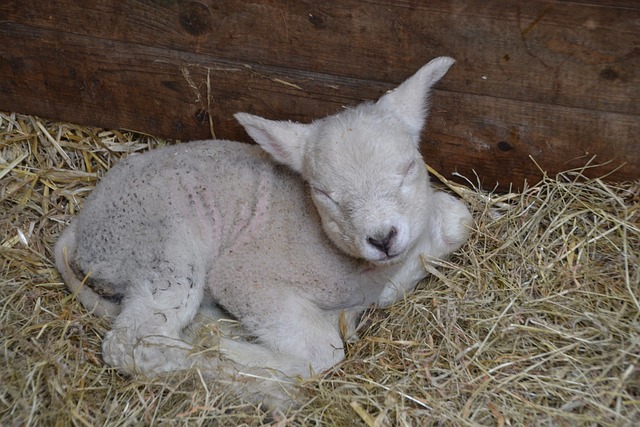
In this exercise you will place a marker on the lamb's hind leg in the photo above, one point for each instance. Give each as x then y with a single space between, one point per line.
297 339
145 337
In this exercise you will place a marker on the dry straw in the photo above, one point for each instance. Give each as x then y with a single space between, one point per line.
536 321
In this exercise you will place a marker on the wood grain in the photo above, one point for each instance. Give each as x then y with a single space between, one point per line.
555 80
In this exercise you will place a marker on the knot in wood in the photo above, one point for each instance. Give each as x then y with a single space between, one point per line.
195 18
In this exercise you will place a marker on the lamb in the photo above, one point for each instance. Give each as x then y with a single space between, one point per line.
294 237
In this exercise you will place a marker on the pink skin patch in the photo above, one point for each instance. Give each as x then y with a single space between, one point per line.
209 219
230 227
257 218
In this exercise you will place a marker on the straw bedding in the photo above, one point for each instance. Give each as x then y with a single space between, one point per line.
536 321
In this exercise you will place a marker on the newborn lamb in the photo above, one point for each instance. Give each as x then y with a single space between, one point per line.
294 237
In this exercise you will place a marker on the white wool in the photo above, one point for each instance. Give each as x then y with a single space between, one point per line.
289 248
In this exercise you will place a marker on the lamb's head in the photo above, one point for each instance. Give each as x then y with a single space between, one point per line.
367 177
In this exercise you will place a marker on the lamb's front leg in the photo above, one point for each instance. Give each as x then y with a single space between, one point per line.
452 224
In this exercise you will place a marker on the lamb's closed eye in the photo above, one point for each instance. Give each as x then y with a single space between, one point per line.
409 172
322 193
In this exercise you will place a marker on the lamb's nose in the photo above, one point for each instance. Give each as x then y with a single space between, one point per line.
385 243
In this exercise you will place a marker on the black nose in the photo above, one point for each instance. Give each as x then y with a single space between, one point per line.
385 243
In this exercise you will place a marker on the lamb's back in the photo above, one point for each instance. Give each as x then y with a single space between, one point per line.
221 206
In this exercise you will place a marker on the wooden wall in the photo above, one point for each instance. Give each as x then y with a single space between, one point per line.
555 80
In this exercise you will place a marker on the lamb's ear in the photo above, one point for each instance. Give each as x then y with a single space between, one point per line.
410 100
285 141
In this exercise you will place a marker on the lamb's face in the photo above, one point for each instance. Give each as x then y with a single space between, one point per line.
369 184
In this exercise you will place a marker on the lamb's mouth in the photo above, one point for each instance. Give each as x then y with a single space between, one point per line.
389 259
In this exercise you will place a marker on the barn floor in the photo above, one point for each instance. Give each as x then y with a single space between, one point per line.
536 321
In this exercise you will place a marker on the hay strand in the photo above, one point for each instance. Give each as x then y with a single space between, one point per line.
536 321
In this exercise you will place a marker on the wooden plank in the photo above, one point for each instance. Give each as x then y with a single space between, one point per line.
154 90
562 53
492 136
497 139
133 65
